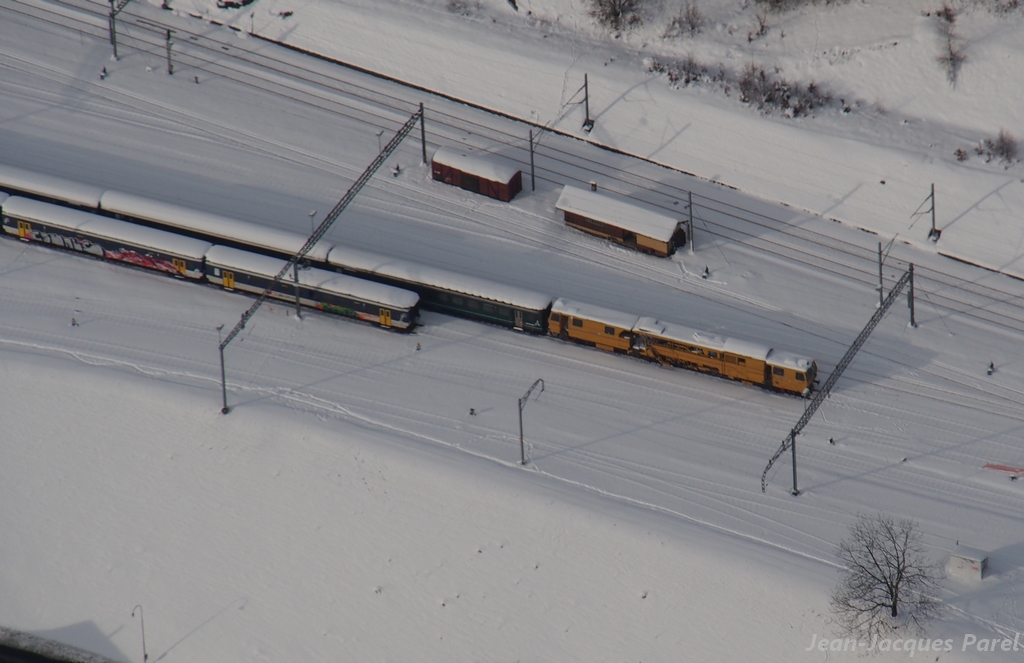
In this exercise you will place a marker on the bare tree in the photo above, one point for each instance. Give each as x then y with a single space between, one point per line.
616 14
889 583
952 56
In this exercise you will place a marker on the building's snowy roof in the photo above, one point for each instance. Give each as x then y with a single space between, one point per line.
187 219
487 166
685 334
412 272
333 282
616 211
597 313
789 360
49 186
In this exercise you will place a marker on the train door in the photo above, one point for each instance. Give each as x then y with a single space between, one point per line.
179 265
24 230
229 280
385 317
519 320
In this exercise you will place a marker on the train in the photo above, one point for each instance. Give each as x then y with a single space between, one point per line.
237 255
202 261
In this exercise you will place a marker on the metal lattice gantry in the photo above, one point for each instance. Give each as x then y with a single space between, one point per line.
823 393
317 235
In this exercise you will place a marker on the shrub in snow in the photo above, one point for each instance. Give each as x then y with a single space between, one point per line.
1000 6
688 70
767 91
1004 148
784 5
688 21
770 92
888 583
617 14
762 25
464 7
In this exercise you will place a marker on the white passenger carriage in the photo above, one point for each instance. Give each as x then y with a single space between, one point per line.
85 232
319 289
211 227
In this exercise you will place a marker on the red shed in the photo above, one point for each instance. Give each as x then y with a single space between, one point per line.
485 174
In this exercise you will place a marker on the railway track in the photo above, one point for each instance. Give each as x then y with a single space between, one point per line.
257 64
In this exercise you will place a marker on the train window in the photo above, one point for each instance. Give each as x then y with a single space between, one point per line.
695 351
778 371
741 361
555 317
457 301
576 322
609 330
713 355
473 304
800 376
442 297
504 313
490 308
216 271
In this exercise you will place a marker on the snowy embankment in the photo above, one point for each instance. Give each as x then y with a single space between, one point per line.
269 534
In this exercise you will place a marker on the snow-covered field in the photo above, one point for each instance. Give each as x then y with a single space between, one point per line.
350 507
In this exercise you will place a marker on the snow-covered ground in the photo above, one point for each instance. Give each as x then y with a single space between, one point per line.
349 507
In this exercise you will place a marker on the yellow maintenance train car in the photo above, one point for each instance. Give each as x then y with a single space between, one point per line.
675 345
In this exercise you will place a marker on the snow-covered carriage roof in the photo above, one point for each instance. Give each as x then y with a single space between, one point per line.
683 334
150 238
596 313
100 226
322 279
786 359
411 272
213 225
616 211
487 166
35 210
49 186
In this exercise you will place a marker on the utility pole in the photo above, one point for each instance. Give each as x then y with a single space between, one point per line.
298 298
115 9
588 123
690 205
170 65
223 380
142 619
533 170
522 404
423 133
934 233
910 296
881 287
